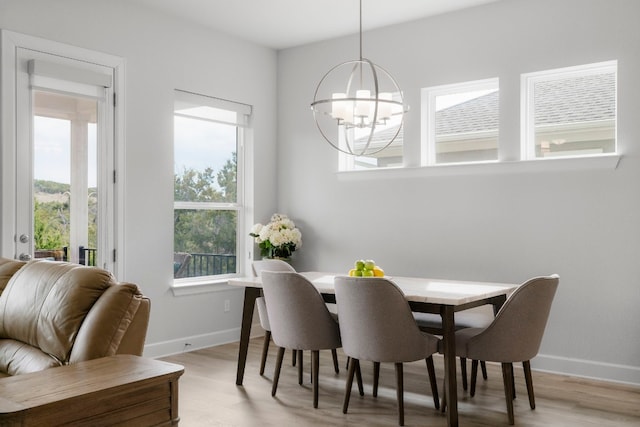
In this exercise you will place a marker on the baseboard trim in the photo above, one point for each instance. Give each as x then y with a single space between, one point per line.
603 371
587 369
196 342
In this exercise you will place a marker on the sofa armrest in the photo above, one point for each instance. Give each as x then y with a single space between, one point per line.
108 321
133 340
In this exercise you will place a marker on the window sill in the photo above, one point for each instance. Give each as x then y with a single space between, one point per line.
564 164
200 287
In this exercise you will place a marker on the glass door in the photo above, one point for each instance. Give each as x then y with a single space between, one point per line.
65 191
64 160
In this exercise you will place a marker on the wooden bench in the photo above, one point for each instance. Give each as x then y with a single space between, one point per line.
122 390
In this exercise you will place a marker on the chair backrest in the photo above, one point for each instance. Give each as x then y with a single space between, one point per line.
516 332
181 262
376 322
270 265
298 316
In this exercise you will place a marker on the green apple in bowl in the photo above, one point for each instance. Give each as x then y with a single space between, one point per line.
369 264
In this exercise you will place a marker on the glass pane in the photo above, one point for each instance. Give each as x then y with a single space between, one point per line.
209 236
390 156
575 115
385 130
466 126
65 177
205 161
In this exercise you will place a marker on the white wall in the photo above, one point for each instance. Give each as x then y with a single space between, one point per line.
583 225
162 54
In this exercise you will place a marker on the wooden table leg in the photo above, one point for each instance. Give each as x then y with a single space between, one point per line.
497 303
450 381
250 295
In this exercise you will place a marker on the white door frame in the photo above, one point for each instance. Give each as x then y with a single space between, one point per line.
10 42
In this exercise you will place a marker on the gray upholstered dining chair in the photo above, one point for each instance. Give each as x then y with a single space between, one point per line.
277 265
514 335
299 320
376 324
258 267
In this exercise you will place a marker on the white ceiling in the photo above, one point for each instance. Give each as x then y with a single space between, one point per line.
281 24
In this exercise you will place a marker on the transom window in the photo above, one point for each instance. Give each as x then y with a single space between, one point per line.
208 199
392 156
569 111
461 123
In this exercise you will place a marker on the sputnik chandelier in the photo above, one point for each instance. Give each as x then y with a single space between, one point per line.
365 117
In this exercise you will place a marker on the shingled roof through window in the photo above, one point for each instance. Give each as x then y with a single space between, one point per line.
577 99
476 115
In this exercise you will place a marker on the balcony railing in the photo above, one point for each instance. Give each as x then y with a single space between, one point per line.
209 265
86 256
196 264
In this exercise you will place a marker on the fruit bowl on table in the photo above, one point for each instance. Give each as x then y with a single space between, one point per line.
366 268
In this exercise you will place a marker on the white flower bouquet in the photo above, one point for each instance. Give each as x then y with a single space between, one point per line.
277 239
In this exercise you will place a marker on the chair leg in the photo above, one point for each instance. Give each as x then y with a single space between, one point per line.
474 376
347 393
526 365
265 351
432 380
294 354
299 353
276 374
443 405
315 367
334 354
483 365
513 382
376 377
400 393
507 379
359 379
463 372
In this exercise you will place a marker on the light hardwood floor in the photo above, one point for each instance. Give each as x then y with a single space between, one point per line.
208 396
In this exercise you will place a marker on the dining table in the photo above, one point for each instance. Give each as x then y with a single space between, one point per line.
425 295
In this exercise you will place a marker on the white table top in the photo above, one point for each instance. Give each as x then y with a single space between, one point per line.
436 291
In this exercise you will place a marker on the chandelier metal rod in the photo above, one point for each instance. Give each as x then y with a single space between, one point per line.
360 30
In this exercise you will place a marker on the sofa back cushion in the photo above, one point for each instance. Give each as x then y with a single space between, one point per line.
45 303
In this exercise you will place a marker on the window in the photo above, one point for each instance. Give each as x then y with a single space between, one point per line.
461 123
208 196
569 111
389 157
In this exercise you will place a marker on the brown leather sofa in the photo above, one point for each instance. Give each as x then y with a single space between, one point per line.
57 313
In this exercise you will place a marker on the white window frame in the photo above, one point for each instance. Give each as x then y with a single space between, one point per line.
513 155
527 110
428 122
188 286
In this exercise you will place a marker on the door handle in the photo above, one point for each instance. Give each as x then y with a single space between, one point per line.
24 257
